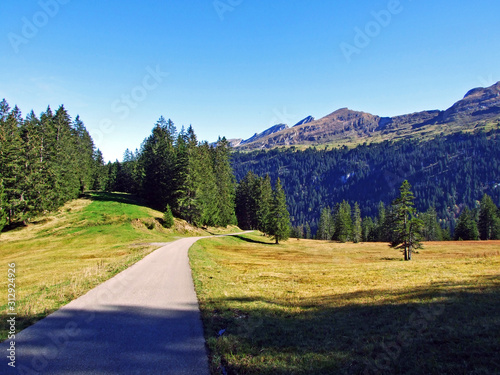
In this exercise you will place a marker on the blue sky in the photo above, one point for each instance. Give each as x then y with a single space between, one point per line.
235 67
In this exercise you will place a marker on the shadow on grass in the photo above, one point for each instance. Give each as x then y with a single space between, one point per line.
443 329
246 239
116 197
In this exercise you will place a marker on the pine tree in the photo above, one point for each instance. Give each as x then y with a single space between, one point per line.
367 229
265 197
488 219
3 206
407 227
225 184
307 230
12 163
356 224
247 200
279 223
158 163
326 225
466 228
168 218
343 222
99 172
431 230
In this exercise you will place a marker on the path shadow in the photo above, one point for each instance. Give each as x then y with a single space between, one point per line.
120 340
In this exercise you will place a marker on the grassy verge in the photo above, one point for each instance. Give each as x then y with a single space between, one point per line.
60 257
314 307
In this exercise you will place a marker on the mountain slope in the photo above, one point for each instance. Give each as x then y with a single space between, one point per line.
480 108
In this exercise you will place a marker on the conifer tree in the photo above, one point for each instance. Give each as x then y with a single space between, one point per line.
407 227
466 228
343 222
12 163
488 220
247 201
279 220
168 218
3 206
225 184
356 224
206 187
265 197
431 229
326 225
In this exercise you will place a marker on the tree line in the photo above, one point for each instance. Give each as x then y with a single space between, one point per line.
45 161
447 173
260 207
174 171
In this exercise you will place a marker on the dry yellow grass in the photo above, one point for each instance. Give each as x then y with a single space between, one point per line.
320 307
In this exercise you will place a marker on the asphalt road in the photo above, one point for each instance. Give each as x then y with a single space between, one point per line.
145 320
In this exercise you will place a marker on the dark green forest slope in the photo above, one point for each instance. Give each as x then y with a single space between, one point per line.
448 172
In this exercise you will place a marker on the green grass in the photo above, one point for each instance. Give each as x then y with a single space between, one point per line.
315 307
62 256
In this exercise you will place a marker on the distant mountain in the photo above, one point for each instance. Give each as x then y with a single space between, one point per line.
307 120
479 108
267 132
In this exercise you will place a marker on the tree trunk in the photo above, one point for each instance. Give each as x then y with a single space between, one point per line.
277 242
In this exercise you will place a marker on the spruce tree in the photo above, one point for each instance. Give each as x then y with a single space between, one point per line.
168 218
3 206
265 197
488 219
279 220
326 225
466 228
407 227
225 184
356 224
343 222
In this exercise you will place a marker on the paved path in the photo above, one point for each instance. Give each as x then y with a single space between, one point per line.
145 320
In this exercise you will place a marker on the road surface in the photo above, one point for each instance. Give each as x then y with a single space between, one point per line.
145 320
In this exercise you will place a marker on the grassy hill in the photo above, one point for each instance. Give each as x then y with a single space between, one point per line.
61 256
316 307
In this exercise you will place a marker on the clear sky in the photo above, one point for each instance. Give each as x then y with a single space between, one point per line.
235 67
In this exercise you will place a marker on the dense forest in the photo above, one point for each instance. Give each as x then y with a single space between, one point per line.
44 162
48 160
194 179
447 173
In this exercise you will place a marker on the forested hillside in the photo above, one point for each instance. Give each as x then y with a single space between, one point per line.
448 172
44 162
48 160
172 169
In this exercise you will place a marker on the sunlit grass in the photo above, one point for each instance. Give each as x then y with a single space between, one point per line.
314 307
62 256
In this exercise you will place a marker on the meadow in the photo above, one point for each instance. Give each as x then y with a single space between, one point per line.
317 307
62 255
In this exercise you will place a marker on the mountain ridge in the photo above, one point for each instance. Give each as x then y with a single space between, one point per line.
480 107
